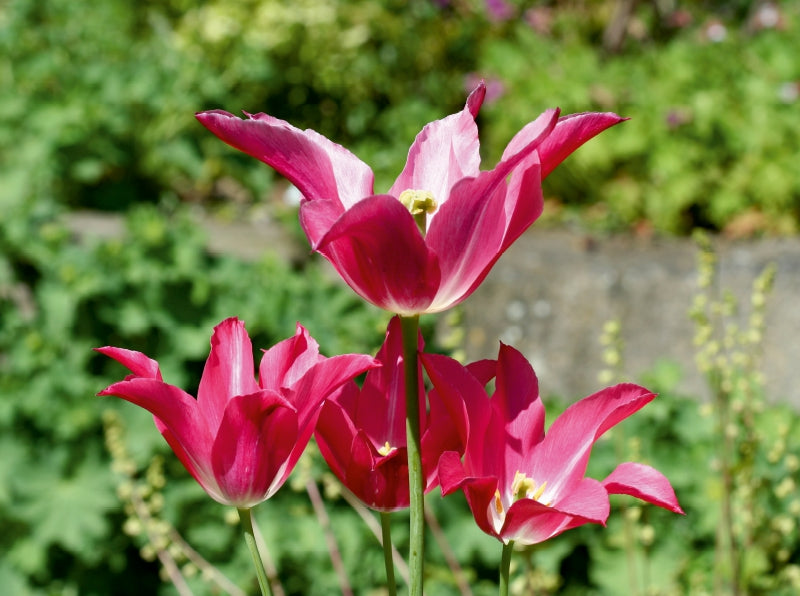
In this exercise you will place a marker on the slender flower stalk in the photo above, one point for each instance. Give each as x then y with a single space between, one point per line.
416 481
386 533
505 567
246 517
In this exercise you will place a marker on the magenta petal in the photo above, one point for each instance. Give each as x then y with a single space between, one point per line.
451 472
318 167
323 378
378 250
642 482
444 152
256 435
228 371
531 522
139 364
533 132
571 132
287 361
521 412
461 395
177 412
475 99
334 433
317 217
562 456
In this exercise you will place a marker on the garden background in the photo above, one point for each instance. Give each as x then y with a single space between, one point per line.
97 103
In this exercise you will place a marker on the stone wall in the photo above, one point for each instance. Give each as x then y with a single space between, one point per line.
551 293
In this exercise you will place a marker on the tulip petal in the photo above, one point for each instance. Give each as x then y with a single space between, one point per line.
256 435
561 458
177 412
469 232
378 250
317 217
318 167
531 522
287 361
139 364
642 482
461 396
571 132
322 379
444 152
228 371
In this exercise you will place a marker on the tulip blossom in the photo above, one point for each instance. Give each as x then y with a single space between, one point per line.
525 486
361 432
240 439
427 243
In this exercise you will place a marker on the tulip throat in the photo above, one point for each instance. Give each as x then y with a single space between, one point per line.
420 203
386 449
525 488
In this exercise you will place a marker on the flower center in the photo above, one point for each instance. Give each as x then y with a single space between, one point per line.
525 488
386 449
420 203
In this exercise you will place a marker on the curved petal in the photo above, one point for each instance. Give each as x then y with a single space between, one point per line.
382 481
317 218
334 434
461 396
380 407
642 482
287 361
471 230
444 152
139 364
327 375
228 371
176 412
561 458
318 167
530 522
571 132
255 437
378 250
516 400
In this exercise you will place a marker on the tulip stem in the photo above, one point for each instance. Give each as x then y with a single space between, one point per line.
386 532
249 537
505 566
416 547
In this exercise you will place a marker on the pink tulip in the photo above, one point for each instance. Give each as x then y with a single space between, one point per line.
430 241
361 432
240 439
526 486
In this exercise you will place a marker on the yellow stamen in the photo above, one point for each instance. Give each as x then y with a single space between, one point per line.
498 504
386 449
418 201
525 488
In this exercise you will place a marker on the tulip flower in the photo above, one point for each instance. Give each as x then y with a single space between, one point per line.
426 244
240 439
525 486
361 432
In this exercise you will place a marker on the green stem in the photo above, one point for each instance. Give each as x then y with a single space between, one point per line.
505 566
416 548
386 532
246 518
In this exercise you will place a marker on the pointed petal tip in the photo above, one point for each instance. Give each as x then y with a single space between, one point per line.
475 98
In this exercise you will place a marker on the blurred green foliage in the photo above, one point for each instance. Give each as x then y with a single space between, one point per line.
96 111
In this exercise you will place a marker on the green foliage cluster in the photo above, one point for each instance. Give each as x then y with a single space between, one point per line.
153 288
96 101
714 129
